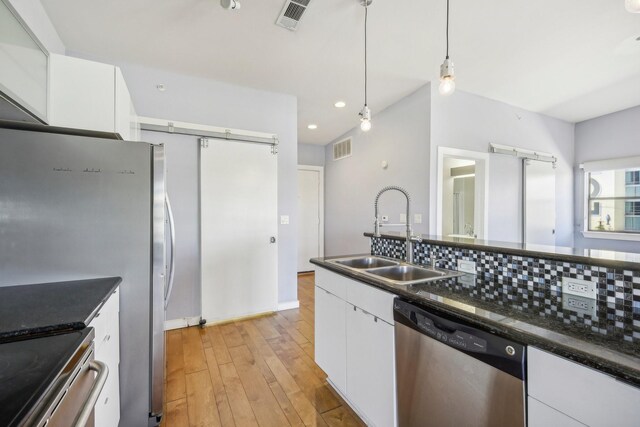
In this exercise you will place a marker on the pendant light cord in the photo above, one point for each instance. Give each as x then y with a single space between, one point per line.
447 29
366 17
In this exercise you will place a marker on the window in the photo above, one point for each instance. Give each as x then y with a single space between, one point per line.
614 201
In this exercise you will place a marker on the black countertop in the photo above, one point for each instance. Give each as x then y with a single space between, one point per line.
596 257
598 341
28 369
42 309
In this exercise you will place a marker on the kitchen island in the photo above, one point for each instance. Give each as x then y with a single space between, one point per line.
577 348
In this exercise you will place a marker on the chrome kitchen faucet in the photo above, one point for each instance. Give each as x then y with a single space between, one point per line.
409 247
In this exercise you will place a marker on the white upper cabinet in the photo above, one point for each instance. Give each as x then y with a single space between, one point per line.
90 95
23 66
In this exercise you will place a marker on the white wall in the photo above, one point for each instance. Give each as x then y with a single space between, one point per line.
611 136
33 14
400 135
311 155
204 101
471 122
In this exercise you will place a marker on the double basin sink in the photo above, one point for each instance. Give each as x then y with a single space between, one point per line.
392 271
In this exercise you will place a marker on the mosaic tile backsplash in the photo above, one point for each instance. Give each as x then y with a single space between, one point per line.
536 284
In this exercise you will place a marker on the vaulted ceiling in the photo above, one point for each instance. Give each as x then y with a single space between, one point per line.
571 59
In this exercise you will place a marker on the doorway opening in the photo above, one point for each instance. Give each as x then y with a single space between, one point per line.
310 216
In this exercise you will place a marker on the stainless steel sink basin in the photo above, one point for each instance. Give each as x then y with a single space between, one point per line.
362 263
408 273
393 272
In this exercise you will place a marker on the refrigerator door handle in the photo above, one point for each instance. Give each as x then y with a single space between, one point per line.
172 263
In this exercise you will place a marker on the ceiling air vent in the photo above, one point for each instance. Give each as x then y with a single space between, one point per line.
292 13
342 149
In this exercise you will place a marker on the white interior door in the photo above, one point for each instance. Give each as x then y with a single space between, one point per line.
539 182
239 209
310 230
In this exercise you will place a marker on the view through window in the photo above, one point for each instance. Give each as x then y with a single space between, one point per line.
614 200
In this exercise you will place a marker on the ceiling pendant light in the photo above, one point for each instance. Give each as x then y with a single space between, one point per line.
365 113
447 76
632 6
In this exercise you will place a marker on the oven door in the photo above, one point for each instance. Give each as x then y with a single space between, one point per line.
79 389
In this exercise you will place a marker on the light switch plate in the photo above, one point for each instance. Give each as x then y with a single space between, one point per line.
284 219
417 218
403 218
466 266
581 288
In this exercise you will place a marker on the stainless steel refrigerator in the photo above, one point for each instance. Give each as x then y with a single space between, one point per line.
75 206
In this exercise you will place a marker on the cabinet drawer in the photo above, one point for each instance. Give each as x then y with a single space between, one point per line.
333 282
103 322
582 393
107 409
372 300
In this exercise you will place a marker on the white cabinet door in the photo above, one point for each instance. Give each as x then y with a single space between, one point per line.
584 394
106 325
23 65
371 367
330 337
541 415
82 94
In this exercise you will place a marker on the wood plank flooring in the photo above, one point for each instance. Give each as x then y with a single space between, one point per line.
256 372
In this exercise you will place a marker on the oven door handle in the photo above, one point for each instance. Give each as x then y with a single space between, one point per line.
87 407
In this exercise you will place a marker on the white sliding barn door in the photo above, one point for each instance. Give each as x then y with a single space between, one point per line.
539 225
239 210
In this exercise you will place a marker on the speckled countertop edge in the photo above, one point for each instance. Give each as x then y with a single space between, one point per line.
622 366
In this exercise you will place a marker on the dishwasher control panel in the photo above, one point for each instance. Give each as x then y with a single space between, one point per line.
458 339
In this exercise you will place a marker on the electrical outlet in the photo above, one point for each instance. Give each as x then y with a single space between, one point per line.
466 266
403 218
581 288
284 219
417 218
579 305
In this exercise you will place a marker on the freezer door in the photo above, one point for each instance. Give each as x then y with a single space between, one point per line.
159 284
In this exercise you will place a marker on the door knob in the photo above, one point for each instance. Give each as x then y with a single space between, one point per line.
272 240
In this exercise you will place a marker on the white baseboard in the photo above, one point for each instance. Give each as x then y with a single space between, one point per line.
184 322
288 305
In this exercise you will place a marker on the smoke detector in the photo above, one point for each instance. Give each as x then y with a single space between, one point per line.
292 13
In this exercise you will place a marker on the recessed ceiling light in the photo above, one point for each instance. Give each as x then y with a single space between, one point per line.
340 104
312 127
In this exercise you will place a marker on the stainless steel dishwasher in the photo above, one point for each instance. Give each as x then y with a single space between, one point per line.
452 374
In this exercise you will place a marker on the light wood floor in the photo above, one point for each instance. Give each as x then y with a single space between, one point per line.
257 372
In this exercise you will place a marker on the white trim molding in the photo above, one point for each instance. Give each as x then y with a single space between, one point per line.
288 305
183 322
320 170
611 235
611 164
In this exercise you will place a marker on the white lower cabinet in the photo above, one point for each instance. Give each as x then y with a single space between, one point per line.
578 394
355 346
330 337
106 325
541 415
370 366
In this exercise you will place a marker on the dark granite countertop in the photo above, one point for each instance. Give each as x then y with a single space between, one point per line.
41 309
596 257
28 369
603 340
